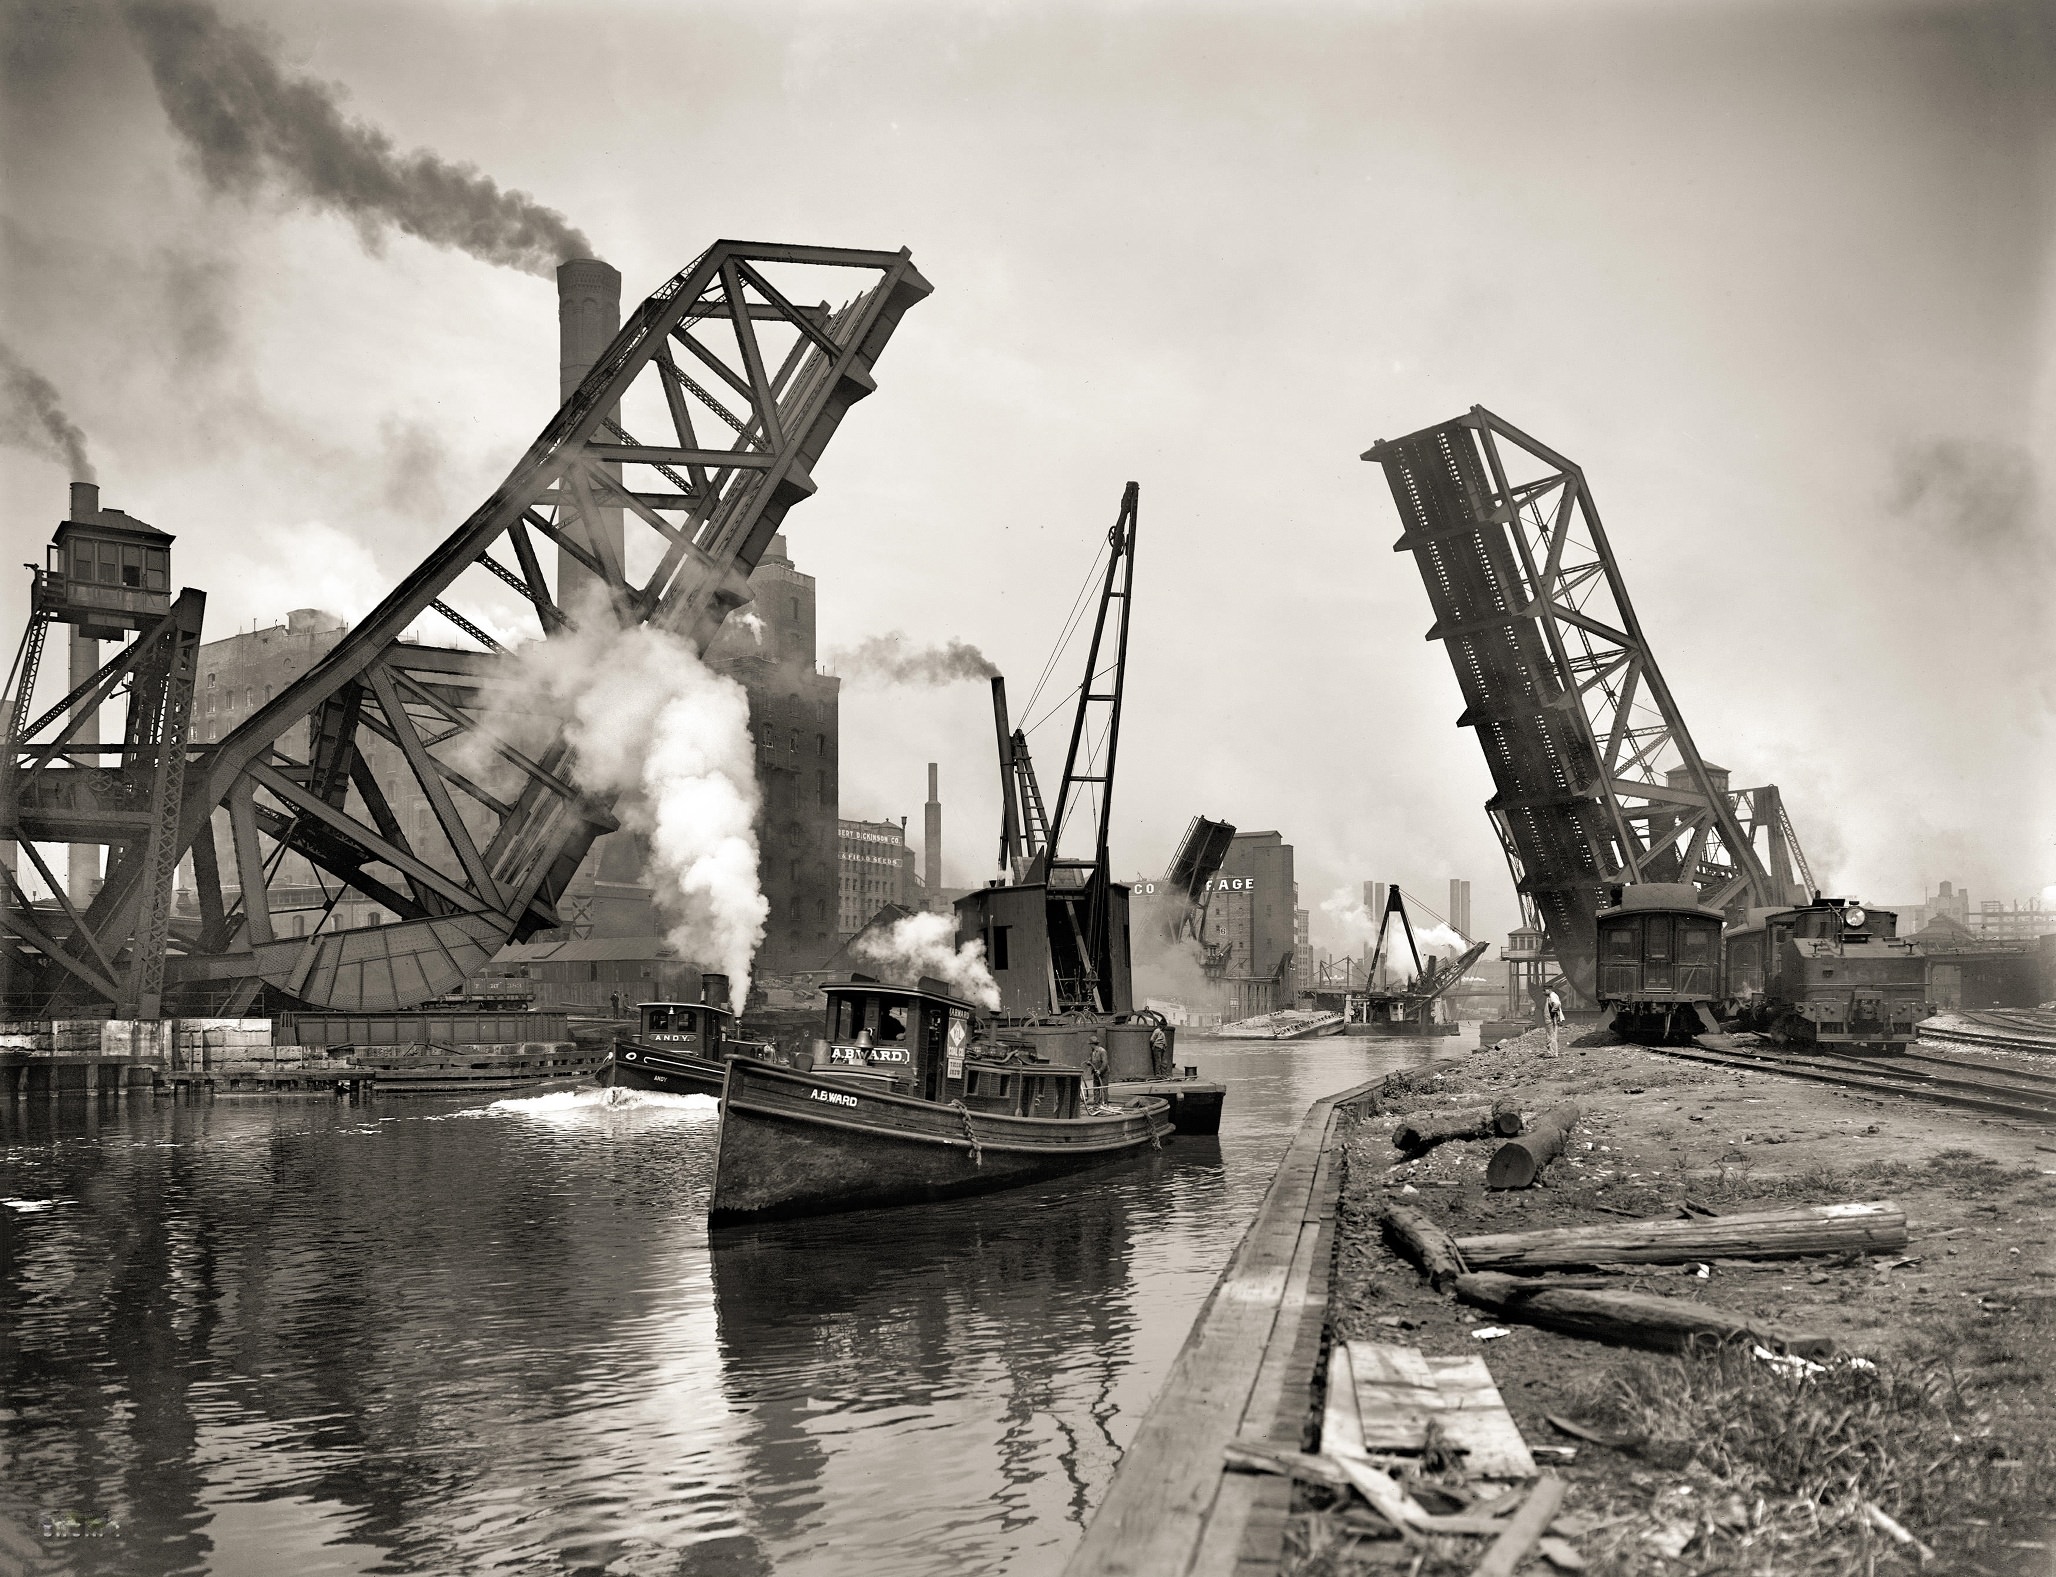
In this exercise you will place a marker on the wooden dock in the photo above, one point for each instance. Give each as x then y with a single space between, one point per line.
1245 1371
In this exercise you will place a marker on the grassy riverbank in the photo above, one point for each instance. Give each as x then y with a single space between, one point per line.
1727 1463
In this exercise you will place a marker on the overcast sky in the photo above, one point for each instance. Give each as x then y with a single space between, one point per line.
1775 275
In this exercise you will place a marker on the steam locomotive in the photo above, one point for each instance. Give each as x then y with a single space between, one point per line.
1826 973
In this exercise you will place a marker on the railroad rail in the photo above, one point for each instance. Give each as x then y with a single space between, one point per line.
2017 1096
2011 1029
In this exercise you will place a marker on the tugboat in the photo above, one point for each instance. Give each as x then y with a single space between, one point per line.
903 1105
680 1048
1056 934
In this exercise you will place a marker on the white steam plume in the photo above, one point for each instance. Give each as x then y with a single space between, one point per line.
651 724
891 659
920 944
1360 929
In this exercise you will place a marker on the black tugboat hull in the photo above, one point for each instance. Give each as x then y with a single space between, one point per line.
795 1145
637 1067
1195 1106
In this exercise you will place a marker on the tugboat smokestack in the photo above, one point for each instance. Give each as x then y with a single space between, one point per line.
714 990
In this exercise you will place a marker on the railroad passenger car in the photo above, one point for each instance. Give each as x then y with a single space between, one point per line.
1831 972
1659 961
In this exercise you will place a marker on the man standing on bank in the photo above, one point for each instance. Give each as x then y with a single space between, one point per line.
1552 1011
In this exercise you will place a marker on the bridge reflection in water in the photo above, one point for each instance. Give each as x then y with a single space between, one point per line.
420 1336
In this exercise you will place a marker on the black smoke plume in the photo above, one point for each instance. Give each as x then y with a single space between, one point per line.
32 417
888 659
250 125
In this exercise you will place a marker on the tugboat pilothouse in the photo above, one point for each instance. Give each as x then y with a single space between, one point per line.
680 1048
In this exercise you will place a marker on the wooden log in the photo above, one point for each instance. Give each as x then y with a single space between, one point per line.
1421 1132
1523 1528
1417 1238
1625 1319
1877 1226
1518 1162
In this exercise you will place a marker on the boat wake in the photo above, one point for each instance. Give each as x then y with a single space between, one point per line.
558 1104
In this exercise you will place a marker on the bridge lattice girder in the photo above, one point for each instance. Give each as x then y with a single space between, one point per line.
771 381
1597 778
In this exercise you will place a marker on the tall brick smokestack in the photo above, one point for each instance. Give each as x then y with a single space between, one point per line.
588 317
931 839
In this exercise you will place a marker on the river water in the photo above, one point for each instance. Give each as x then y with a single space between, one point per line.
449 1335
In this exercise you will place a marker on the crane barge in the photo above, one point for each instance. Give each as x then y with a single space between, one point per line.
1056 929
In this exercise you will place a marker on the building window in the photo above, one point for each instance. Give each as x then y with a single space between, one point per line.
820 744
999 946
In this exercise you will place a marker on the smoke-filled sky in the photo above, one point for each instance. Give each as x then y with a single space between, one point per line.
1775 274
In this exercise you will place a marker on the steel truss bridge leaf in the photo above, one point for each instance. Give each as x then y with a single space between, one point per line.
660 483
1597 778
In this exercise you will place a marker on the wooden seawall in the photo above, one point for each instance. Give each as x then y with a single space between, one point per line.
1244 1370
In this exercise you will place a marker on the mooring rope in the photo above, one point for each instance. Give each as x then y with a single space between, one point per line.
970 1133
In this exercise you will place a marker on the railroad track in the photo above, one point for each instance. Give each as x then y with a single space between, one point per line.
2003 1036
1939 1081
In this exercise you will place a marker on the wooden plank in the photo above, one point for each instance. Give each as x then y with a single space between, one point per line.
1396 1397
1473 1416
1342 1430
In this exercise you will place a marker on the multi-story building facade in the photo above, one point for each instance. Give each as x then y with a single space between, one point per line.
1250 907
1302 951
876 869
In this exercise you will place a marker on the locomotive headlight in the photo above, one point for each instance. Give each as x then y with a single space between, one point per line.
1853 918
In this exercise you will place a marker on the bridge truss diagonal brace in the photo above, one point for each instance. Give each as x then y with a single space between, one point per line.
1531 606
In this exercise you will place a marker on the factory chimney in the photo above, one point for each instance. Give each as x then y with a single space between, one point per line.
588 317
1460 906
931 840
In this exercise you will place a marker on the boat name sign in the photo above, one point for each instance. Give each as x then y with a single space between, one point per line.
833 1097
858 1056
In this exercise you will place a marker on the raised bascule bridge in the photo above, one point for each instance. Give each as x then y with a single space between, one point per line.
1597 779
683 440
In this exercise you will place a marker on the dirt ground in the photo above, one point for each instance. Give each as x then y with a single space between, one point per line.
1722 1463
